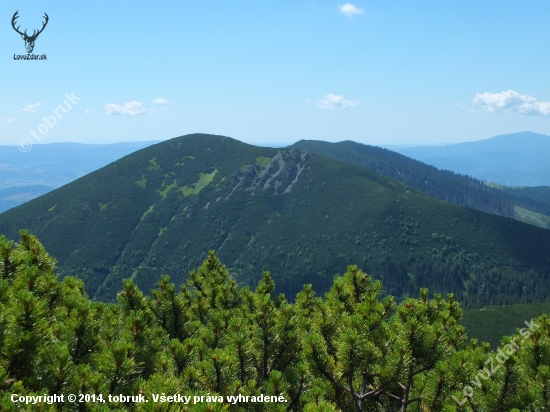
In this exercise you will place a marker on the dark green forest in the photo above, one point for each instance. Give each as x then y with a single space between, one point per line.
301 216
441 184
491 323
349 350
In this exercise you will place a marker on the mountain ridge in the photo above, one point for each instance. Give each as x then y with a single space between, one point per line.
300 215
515 159
530 205
56 164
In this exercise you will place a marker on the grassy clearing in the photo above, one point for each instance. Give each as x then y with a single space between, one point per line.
166 188
142 182
154 164
262 161
204 180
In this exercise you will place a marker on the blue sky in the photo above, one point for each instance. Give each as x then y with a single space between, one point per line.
391 72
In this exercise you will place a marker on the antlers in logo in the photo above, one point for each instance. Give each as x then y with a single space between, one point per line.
29 40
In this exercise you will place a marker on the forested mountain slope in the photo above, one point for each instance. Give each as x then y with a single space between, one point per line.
530 205
302 216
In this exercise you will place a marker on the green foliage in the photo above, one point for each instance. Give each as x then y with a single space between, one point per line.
351 350
262 161
533 218
491 323
204 180
166 188
303 217
142 182
154 164
530 205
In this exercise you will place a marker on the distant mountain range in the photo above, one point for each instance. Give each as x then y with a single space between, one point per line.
15 196
56 164
300 215
517 159
529 204
53 165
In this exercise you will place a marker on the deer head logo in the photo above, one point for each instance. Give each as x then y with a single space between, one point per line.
29 40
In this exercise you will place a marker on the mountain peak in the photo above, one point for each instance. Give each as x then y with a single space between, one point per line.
299 215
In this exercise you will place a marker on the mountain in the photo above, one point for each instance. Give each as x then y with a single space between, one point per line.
530 205
15 196
517 159
300 215
57 164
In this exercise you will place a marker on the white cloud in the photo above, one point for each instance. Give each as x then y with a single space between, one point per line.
128 109
512 102
30 108
9 120
331 101
350 10
160 100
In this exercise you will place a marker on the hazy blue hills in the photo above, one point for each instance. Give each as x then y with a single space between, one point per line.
56 164
302 216
517 159
15 196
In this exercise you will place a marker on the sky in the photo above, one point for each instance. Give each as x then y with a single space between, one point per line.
274 72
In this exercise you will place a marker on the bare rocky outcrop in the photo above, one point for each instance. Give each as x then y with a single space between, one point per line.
283 170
